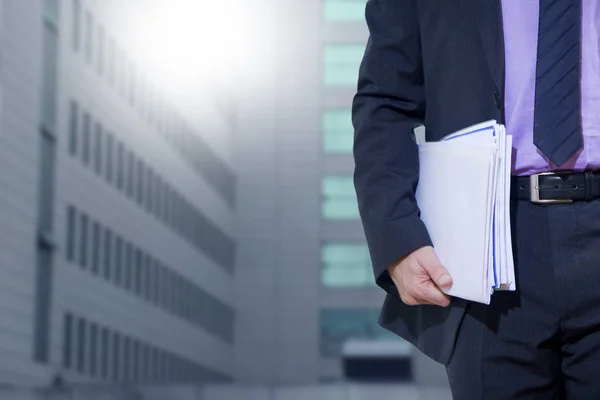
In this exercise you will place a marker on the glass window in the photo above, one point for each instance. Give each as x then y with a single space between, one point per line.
98 147
108 237
119 260
137 280
146 363
126 358
158 188
89 32
116 357
93 348
149 190
337 131
341 325
133 353
140 182
341 63
104 353
344 10
159 284
76 28
109 157
81 345
96 236
67 340
130 174
86 138
128 265
339 198
120 162
83 242
73 127
346 265
147 277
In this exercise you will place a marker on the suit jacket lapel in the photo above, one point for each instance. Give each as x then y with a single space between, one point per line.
489 18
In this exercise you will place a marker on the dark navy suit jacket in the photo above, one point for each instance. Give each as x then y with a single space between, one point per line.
434 62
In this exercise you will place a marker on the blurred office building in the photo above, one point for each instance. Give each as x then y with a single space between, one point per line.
304 280
117 246
161 229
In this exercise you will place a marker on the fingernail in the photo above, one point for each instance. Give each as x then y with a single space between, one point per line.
445 281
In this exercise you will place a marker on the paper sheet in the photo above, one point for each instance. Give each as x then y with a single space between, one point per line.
464 198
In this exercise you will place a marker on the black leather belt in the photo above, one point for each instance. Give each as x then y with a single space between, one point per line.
557 187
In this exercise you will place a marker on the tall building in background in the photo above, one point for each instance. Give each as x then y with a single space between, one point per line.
304 279
117 245
350 300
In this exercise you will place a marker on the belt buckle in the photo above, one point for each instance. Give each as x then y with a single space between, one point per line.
534 190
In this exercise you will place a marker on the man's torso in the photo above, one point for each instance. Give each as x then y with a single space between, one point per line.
479 64
520 23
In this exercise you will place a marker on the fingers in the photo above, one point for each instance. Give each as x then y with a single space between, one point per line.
421 279
424 293
439 275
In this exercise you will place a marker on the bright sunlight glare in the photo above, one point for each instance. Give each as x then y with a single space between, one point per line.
191 42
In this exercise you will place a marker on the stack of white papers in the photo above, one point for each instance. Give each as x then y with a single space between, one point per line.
464 198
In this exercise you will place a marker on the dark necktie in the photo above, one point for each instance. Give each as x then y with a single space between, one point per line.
557 116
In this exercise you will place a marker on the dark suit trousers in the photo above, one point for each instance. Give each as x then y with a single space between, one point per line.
542 341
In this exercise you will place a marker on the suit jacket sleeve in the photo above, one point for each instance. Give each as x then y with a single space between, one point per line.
389 103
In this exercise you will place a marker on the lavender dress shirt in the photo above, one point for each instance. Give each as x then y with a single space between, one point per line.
520 37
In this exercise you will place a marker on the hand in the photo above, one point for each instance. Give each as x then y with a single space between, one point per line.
419 278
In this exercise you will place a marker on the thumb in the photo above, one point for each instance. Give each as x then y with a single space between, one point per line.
439 275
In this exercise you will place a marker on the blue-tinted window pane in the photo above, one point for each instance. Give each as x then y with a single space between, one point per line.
98 147
344 10
339 198
73 127
346 265
67 340
96 247
341 63
104 353
71 226
341 325
83 240
93 349
81 345
338 133
86 138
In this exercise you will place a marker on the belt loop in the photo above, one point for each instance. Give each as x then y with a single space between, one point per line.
589 185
